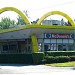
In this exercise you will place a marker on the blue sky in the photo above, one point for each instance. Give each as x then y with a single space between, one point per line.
37 8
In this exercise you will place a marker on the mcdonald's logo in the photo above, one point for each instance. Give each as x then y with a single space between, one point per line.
41 19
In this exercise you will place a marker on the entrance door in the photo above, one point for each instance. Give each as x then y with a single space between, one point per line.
47 47
60 47
64 47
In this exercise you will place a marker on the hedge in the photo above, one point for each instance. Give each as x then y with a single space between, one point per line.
16 58
38 57
57 59
60 53
27 58
72 58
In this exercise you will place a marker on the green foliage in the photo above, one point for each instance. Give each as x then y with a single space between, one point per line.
65 64
61 59
38 57
72 58
27 58
20 21
68 23
57 59
60 53
16 58
6 22
59 56
49 59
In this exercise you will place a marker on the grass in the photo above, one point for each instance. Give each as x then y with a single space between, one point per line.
66 64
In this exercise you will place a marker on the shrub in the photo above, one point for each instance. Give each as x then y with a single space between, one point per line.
60 53
57 59
16 58
61 59
38 57
26 58
72 58
49 59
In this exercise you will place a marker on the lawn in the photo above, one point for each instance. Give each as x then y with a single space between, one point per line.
66 64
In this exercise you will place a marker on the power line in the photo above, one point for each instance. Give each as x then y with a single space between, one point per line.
54 6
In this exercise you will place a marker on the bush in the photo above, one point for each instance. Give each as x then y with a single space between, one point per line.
49 59
16 58
72 58
57 59
26 58
60 53
61 59
38 57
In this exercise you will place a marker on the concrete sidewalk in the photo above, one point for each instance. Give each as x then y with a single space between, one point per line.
35 69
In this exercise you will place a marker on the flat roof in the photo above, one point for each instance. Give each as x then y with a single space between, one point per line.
72 28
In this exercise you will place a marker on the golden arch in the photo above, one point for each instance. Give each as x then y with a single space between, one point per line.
17 11
56 12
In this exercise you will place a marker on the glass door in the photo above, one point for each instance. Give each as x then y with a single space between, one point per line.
64 47
47 47
60 47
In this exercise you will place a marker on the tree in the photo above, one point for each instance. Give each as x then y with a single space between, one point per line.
20 20
34 22
6 22
68 23
62 21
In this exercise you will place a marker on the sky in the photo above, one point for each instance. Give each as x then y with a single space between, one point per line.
37 8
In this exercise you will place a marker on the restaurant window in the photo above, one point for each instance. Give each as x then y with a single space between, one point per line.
12 48
5 47
60 47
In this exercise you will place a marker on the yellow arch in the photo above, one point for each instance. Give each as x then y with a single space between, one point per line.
17 11
56 12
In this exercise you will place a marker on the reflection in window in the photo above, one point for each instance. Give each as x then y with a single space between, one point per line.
5 47
70 47
12 48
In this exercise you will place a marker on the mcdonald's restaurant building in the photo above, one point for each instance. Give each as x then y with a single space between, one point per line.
48 38
39 37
